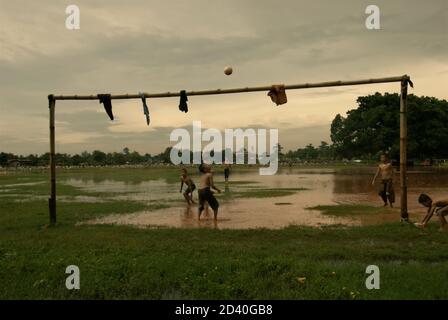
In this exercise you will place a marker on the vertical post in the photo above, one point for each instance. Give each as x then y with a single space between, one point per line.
52 199
403 148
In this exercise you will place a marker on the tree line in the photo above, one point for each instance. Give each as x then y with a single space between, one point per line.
364 133
127 157
374 127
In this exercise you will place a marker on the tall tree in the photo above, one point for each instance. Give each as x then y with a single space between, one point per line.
374 127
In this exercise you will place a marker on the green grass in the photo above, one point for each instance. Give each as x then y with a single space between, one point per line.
119 262
350 210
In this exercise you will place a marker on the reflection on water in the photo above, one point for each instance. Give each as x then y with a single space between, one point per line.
146 191
324 187
357 188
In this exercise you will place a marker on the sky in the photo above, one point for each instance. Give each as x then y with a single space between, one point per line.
158 46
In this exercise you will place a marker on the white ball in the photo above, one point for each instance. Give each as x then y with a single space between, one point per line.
228 70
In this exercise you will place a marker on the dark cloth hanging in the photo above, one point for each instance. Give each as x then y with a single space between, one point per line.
183 106
278 94
107 102
145 108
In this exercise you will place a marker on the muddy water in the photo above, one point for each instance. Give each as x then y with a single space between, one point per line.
323 187
145 191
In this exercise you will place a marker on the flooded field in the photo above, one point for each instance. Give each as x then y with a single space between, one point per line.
252 201
292 196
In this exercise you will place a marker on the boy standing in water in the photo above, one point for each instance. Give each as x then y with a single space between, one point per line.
188 194
439 207
386 171
226 172
205 193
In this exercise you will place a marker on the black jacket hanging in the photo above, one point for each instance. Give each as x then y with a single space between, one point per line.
145 108
183 106
107 102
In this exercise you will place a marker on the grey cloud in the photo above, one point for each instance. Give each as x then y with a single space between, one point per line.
84 121
266 40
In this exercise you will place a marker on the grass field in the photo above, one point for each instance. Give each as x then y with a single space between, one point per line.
119 262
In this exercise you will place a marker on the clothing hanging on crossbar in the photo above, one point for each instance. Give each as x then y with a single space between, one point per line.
145 108
278 94
183 106
107 102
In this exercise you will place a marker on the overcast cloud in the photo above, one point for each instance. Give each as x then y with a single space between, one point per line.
157 46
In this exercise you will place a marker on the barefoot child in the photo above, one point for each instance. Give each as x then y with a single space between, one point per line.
439 207
386 171
205 192
188 194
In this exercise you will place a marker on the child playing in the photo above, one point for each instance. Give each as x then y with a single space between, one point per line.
439 207
387 175
205 192
188 194
226 172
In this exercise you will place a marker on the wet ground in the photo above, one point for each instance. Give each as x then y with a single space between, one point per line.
322 187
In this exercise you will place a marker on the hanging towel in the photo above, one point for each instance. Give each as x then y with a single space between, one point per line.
145 108
107 102
183 106
278 94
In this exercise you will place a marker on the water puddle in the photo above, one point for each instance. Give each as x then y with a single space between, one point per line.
323 187
23 184
236 214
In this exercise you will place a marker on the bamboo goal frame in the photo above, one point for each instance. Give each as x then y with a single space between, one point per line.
403 80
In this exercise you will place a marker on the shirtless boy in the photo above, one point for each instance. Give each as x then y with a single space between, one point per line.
205 193
386 171
439 207
188 194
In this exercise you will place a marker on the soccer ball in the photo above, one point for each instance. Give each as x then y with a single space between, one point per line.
228 71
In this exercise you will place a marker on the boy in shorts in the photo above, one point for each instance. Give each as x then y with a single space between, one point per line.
439 207
188 193
386 171
205 193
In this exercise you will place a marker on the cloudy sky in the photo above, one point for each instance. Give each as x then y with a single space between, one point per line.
159 46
